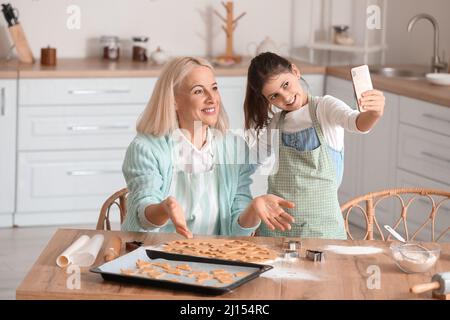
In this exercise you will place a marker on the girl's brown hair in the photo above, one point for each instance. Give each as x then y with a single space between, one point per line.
256 107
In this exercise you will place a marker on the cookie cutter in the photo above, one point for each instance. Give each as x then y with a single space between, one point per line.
315 255
292 250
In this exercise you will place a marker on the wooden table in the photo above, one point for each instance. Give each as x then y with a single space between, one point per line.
338 277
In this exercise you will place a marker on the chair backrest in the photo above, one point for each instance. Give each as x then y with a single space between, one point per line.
371 201
120 200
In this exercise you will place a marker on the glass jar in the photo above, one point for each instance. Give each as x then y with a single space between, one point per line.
111 47
140 49
341 35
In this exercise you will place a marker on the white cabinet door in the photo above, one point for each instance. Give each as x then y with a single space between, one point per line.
420 208
424 152
8 114
68 180
379 150
77 127
232 92
47 92
353 153
316 83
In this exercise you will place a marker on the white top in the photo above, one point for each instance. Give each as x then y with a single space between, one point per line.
190 160
334 116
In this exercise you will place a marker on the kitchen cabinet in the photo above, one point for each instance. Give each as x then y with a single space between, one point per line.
424 158
8 114
409 147
72 138
351 183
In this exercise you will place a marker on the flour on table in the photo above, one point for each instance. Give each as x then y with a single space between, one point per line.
353 250
282 272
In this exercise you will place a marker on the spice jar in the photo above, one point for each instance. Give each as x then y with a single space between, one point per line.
341 35
140 49
111 49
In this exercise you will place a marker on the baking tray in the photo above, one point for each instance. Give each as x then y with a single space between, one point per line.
111 271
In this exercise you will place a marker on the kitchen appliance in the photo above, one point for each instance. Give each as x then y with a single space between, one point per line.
17 34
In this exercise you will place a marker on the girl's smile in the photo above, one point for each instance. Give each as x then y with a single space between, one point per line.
284 91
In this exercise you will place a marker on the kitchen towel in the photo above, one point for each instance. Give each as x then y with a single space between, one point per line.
82 252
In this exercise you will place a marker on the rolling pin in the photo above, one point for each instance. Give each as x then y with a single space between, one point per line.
440 284
112 249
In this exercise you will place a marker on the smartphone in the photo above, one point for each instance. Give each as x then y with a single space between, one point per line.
361 82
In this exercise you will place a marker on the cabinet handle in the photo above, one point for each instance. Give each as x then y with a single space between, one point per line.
3 107
105 91
91 172
431 155
430 116
97 128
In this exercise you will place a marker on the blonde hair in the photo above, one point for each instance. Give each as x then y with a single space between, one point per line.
159 117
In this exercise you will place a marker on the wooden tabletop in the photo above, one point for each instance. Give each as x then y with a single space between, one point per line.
338 277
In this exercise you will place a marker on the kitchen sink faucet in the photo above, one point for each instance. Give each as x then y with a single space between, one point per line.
436 64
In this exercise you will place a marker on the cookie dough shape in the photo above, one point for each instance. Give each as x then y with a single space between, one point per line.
238 250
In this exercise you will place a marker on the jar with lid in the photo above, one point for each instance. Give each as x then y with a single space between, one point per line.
111 47
140 49
342 36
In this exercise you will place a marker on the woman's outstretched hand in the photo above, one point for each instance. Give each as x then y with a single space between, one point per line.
176 214
269 208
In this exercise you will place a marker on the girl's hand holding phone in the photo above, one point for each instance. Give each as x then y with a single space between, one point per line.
372 101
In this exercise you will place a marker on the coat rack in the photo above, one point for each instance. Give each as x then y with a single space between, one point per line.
230 25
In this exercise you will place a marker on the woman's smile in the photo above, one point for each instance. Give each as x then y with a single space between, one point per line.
210 111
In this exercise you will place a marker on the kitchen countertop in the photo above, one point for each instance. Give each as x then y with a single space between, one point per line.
417 89
9 69
95 67
337 277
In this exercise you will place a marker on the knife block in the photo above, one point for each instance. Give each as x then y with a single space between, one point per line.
21 44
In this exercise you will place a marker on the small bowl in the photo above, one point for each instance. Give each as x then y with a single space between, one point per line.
442 79
410 258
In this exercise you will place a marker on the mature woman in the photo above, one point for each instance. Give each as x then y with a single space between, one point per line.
184 170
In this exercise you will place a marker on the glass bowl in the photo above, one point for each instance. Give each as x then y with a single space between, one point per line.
415 257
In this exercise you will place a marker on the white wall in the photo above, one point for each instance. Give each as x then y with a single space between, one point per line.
188 27
180 26
417 46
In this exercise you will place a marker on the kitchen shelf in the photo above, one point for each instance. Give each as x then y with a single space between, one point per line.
362 46
325 45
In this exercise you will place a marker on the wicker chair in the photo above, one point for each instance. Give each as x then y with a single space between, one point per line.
120 200
373 199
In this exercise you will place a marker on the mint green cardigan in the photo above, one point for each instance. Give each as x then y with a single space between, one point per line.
148 169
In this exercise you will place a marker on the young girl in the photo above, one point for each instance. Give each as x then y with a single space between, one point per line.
310 141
